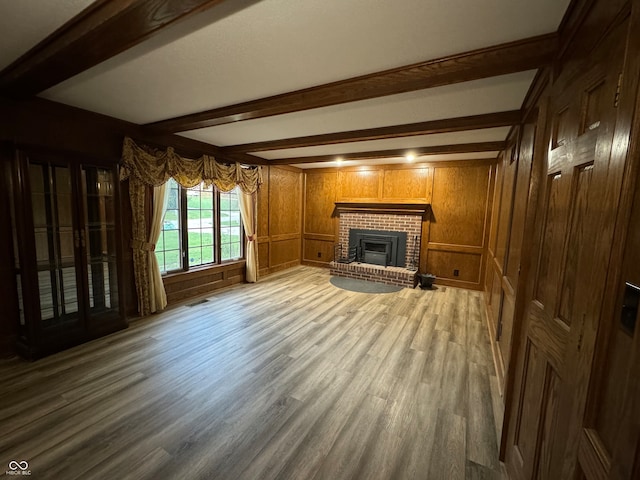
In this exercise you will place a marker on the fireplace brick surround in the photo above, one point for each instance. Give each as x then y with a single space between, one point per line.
405 222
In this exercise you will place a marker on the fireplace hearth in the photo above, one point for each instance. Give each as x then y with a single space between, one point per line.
382 227
379 247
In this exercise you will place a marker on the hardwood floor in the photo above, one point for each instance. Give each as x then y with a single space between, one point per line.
290 378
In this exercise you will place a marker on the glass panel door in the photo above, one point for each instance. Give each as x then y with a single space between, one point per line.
100 243
55 239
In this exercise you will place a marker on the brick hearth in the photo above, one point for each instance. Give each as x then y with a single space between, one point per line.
375 273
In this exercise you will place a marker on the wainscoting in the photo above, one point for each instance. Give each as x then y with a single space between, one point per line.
289 378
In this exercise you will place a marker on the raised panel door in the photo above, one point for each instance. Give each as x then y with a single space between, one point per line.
554 363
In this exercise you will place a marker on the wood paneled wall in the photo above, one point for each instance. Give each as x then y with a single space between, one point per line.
454 236
560 254
505 246
279 219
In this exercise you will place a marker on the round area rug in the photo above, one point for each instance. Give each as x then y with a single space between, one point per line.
363 286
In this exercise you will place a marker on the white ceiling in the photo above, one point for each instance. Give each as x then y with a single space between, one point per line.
24 23
259 48
469 98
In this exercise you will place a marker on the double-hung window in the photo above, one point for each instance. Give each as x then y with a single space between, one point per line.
201 227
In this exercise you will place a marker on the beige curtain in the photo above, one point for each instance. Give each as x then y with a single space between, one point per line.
249 221
157 294
145 166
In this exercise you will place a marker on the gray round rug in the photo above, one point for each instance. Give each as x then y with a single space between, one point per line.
363 286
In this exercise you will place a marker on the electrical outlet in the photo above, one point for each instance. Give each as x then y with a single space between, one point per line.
319 254
456 273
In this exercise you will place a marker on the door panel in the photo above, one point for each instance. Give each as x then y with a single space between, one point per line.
564 290
552 236
577 240
529 410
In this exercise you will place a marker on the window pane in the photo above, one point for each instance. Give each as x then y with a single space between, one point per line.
168 246
172 259
195 256
195 238
200 218
231 237
226 251
193 199
207 254
172 240
207 236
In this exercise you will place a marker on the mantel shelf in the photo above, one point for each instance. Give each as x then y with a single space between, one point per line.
383 207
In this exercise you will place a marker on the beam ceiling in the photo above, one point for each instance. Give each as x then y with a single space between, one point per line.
103 30
435 150
447 125
502 59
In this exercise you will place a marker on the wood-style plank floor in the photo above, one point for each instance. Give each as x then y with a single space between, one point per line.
290 378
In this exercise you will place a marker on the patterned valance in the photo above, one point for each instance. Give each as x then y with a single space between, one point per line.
154 167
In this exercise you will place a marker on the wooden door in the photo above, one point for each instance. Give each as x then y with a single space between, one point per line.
573 240
610 435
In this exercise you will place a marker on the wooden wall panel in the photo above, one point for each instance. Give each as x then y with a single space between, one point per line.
459 241
504 212
407 184
495 294
285 253
459 205
359 184
318 252
263 257
285 193
182 286
280 223
320 195
443 263
497 172
525 158
263 205
506 329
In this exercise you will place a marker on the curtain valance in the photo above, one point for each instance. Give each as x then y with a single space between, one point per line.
154 167
145 166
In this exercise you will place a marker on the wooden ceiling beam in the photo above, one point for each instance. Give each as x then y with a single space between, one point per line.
101 31
447 125
521 55
435 150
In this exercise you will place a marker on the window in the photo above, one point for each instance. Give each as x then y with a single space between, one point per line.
169 247
230 228
201 227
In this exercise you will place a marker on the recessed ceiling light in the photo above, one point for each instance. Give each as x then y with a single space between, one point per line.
410 157
339 160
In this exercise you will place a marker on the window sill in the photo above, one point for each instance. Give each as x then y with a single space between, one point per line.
203 271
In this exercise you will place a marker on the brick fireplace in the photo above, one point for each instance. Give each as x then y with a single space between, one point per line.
381 218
